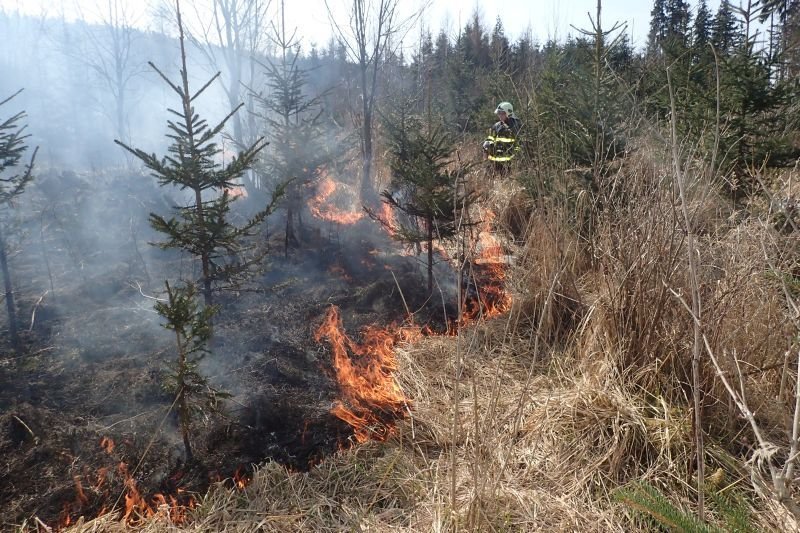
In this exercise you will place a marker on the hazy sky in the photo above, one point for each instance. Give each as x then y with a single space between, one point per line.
546 18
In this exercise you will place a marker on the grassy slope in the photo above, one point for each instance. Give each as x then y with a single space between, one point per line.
532 421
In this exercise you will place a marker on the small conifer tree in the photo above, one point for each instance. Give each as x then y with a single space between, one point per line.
192 326
299 145
202 228
428 188
12 183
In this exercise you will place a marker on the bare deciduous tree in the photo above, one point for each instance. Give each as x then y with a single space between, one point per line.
108 53
367 37
231 40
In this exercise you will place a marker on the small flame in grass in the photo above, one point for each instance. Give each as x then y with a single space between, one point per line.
73 507
340 272
387 219
321 208
107 444
135 506
240 480
370 392
138 508
488 275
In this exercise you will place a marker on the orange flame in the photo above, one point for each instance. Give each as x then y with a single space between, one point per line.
107 444
74 507
489 274
387 219
240 480
366 380
80 496
236 191
320 207
371 398
137 508
341 272
101 478
66 519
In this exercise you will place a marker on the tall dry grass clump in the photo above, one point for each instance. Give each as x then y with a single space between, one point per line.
630 355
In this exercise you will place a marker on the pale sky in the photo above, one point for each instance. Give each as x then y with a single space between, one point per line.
546 18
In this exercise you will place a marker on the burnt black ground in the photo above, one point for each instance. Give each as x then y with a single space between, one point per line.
96 354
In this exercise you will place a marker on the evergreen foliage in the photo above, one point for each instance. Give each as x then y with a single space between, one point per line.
13 181
294 121
730 510
732 102
724 34
192 326
427 184
203 228
584 114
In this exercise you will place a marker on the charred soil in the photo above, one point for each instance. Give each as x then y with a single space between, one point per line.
85 425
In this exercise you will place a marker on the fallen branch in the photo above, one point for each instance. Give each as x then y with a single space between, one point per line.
139 286
26 426
35 307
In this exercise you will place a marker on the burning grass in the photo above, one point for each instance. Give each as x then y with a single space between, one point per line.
535 420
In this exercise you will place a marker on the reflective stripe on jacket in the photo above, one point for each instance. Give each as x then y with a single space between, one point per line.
502 140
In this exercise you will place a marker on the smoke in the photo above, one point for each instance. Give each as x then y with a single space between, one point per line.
86 274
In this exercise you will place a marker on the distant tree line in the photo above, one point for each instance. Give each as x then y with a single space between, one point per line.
749 55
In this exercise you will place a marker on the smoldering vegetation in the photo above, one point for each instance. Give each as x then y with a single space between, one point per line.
87 396
87 279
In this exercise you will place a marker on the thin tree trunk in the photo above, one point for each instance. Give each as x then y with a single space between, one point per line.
697 420
10 306
367 191
121 129
290 239
598 59
183 407
429 222
205 256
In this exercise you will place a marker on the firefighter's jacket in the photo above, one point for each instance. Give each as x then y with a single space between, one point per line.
502 143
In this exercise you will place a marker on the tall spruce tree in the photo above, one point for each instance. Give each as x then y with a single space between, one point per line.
658 27
678 23
500 47
427 185
755 107
783 17
701 34
13 180
724 33
202 228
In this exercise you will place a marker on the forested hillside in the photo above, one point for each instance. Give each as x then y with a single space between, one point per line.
480 283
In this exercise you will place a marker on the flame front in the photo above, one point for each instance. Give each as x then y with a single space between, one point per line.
371 396
321 208
240 480
236 191
136 509
489 274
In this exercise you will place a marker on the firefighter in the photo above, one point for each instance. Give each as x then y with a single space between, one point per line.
502 143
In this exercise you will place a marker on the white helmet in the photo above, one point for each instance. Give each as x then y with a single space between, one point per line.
505 107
